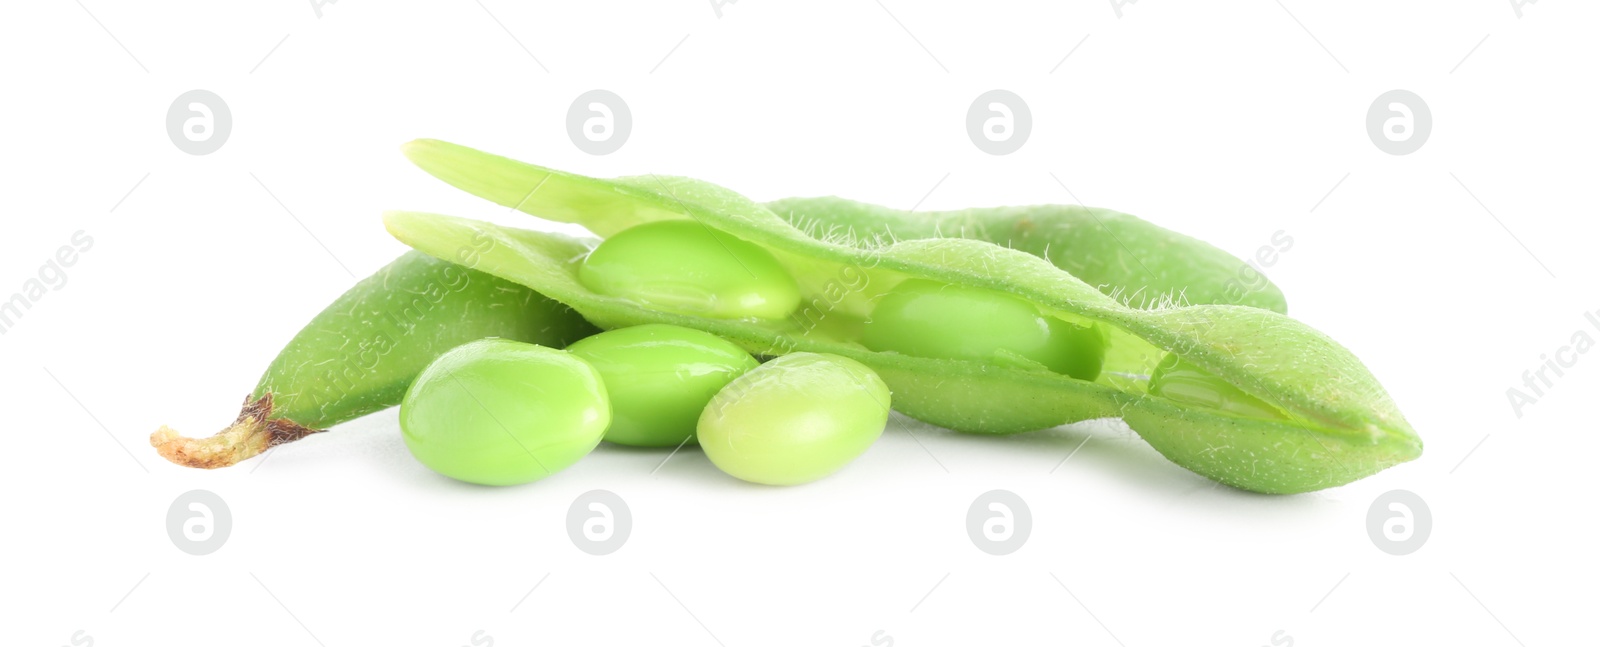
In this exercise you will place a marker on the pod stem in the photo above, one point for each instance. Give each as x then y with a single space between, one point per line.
254 432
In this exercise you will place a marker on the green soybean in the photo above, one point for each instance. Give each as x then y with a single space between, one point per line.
1134 261
931 319
1330 420
501 412
705 273
795 419
361 352
660 378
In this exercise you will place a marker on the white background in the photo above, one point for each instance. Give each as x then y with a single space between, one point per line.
1227 121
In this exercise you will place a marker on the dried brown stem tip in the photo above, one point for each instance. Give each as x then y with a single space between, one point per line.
254 432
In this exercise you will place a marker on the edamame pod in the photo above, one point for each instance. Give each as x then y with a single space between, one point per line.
361 352
1334 422
1139 263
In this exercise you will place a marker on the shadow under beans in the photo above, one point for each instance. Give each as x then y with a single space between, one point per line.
691 465
688 462
1104 450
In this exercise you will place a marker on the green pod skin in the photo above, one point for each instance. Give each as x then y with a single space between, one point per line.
660 378
795 419
501 412
1185 383
361 352
1134 261
1336 424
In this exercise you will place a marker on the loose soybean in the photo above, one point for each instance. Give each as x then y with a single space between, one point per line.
660 378
795 419
501 412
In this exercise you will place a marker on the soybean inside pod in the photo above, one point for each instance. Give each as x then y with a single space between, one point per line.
1252 398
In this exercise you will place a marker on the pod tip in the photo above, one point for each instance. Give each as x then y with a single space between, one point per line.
411 148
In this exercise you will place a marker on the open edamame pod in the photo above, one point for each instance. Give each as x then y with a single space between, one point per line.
1138 263
1328 421
361 352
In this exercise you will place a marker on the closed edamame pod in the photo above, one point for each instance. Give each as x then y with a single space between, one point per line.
1325 420
361 352
1137 262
